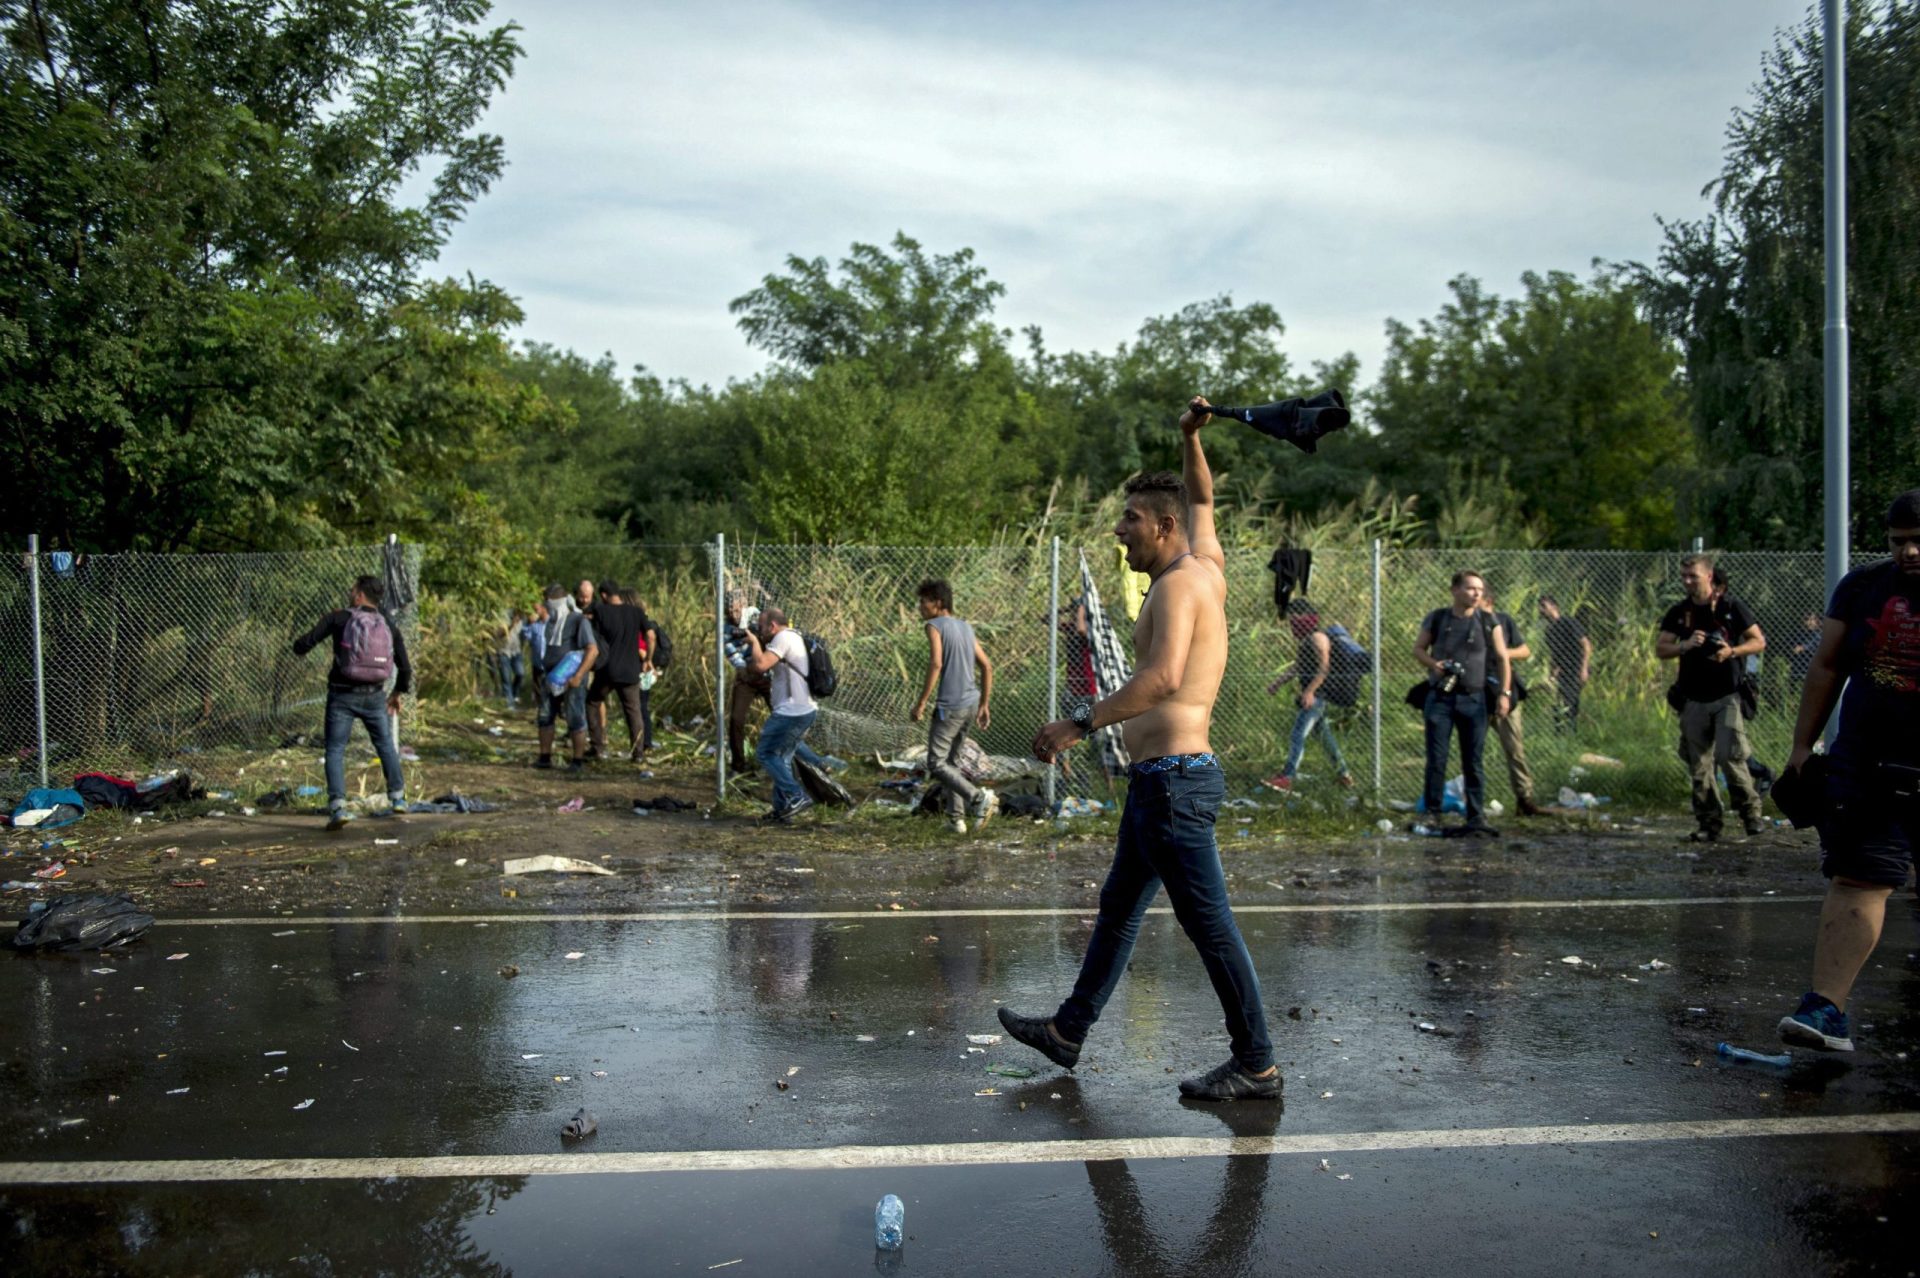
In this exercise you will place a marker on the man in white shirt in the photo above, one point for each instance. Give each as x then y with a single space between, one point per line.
777 650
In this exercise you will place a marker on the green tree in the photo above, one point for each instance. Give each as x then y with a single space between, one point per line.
211 333
1742 290
1560 408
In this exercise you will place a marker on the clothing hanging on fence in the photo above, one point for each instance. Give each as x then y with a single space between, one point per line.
1290 569
1133 585
399 581
1111 669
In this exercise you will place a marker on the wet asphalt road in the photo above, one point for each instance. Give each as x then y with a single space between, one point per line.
412 1045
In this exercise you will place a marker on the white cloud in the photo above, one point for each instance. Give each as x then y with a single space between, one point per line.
1107 163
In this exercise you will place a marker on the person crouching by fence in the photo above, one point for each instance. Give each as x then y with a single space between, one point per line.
777 650
1321 686
1465 655
567 658
952 653
1710 633
367 649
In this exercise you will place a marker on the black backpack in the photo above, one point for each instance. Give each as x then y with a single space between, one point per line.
821 680
1347 664
662 653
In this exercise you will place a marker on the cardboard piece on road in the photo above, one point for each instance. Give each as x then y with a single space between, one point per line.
552 865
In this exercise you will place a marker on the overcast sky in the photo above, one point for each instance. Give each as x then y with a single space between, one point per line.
1107 162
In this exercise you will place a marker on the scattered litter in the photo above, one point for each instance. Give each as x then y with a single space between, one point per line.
1428 1027
179 1091
723 1264
288 932
305 1104
1344 1176
552 865
531 1056
792 1070
984 1040
988 1091
72 1122
174 958
976 1051
575 954
461 861
21 885
580 1126
1655 966
1010 1071
599 1073
385 843
1729 1052
281 1070
349 1046
1325 1165
104 971
187 883
864 1038
1326 1095
54 871
780 1084
575 804
1574 960
509 971
97 921
563 1078
274 1053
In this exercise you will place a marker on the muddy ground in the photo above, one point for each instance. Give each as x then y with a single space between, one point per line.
214 857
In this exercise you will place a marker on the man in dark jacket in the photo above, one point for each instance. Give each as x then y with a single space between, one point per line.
367 650
1870 822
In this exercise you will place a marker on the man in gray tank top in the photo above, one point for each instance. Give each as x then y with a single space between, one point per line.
958 702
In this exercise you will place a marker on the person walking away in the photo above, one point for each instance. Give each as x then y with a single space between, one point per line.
1711 634
1569 661
1465 656
568 633
367 649
1507 727
618 630
1313 669
1869 663
952 653
1174 789
783 656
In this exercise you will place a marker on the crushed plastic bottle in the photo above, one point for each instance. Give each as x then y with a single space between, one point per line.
1729 1052
889 1223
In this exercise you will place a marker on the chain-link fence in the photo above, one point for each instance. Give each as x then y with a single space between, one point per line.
180 659
186 658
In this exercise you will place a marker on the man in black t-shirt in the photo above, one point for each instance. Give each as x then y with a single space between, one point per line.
1710 633
619 626
1870 642
1465 656
1569 660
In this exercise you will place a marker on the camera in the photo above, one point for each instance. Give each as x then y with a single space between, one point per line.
1447 677
1715 642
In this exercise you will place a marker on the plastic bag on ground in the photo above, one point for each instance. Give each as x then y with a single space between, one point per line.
97 921
552 865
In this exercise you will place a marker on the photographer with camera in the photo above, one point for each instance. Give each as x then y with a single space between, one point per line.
1866 797
1468 676
1710 633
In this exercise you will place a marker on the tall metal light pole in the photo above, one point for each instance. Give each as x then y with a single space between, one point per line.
1838 530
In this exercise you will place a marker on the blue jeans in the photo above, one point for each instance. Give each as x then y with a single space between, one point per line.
780 737
1466 712
369 706
1303 725
512 668
571 705
1166 836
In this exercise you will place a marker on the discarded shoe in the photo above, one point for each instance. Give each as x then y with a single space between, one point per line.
580 1126
1227 1082
1035 1033
1818 1024
985 803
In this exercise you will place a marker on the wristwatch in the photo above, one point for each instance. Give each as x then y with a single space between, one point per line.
1082 717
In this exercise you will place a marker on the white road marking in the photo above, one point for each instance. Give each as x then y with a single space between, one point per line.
980 1153
1033 912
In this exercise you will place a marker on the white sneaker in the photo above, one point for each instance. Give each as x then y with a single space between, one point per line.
985 804
957 825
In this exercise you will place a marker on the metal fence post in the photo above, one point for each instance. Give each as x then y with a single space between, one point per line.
39 667
1053 659
719 552
1379 672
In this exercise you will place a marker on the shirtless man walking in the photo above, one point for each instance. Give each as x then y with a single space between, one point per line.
1174 791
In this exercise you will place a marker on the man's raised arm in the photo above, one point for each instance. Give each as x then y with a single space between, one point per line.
1201 537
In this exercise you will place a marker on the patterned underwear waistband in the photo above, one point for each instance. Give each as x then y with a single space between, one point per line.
1173 762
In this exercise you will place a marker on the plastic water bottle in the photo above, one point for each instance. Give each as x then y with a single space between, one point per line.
889 1218
1732 1053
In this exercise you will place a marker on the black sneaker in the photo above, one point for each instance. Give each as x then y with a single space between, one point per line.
1705 834
1227 1081
544 762
795 808
1033 1031
1755 827
337 819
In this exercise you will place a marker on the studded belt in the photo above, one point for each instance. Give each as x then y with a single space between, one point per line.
1173 762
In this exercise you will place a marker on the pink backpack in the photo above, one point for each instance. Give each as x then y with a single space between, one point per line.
366 648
